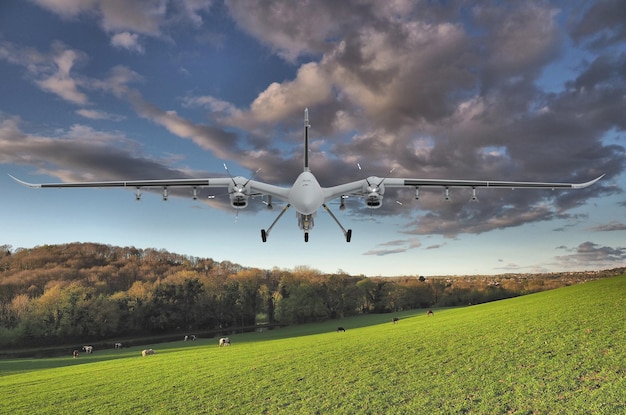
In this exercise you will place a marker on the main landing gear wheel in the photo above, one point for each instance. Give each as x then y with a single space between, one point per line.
348 235
263 235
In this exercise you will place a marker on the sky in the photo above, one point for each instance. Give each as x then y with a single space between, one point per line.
157 89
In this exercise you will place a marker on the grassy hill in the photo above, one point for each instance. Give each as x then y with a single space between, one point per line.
559 351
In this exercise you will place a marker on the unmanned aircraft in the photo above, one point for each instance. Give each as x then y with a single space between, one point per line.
306 195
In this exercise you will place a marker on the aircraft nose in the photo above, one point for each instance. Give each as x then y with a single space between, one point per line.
306 196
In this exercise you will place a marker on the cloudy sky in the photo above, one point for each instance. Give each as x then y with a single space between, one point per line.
152 89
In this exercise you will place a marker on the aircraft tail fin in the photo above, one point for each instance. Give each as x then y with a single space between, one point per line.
306 139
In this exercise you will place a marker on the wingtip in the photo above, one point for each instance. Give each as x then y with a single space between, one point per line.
23 183
589 183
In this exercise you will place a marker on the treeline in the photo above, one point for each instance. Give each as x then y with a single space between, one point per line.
58 294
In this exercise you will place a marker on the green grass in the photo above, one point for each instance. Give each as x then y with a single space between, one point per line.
560 351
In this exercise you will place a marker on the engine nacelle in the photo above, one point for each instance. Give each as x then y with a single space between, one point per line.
239 192
374 200
374 191
238 200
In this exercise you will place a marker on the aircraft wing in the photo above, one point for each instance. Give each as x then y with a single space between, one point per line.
234 184
485 183
217 182
376 184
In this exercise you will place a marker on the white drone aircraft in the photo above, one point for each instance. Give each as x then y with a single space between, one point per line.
306 195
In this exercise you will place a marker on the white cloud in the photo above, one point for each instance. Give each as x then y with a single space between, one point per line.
311 87
61 82
98 115
128 41
67 8
147 17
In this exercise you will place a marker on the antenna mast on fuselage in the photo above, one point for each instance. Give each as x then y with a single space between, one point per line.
306 139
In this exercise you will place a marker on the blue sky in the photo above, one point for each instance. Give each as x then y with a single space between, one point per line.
153 89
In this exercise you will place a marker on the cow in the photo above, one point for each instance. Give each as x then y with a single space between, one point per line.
75 354
191 337
224 341
147 352
88 349
395 320
118 345
340 329
430 313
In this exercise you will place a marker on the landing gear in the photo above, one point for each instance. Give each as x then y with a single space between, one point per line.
346 233
266 233
306 223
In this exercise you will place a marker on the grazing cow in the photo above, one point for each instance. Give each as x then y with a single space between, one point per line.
395 320
147 352
430 313
88 349
224 341
340 329
186 338
75 354
118 345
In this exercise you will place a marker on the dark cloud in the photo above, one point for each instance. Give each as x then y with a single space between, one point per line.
592 256
433 90
602 24
609 227
520 38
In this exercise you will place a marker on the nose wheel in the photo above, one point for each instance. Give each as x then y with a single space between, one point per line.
306 237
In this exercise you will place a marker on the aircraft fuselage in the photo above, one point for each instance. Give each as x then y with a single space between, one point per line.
306 195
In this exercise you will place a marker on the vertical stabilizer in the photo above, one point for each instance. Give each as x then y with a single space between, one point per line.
306 139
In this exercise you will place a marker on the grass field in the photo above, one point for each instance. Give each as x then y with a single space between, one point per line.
556 352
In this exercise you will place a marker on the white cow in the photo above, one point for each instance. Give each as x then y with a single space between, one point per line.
118 345
224 341
88 349
147 352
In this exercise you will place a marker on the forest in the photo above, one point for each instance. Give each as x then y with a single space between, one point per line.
84 292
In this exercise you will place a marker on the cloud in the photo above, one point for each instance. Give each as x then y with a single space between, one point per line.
52 71
98 115
609 227
409 85
81 153
394 247
278 101
602 24
593 256
142 16
147 17
521 40
128 41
